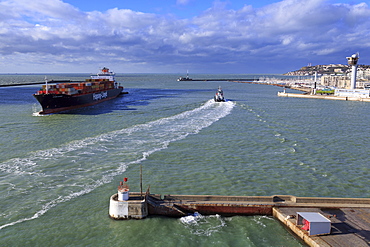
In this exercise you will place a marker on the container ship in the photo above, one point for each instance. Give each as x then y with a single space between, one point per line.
57 97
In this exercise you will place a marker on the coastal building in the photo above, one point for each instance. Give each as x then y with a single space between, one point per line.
354 78
346 86
337 81
342 81
354 90
363 71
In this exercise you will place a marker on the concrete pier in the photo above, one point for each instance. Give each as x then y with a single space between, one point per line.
313 96
349 217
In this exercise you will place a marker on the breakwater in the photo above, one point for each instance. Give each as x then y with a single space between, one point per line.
35 83
206 79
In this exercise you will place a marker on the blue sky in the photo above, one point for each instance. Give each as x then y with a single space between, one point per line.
182 9
172 36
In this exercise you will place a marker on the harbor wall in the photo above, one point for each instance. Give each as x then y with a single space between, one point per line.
277 200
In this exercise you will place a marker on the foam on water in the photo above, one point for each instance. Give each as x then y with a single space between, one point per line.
34 184
204 225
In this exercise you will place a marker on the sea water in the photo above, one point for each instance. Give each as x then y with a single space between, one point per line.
59 171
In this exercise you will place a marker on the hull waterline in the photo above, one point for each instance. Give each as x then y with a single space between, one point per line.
58 103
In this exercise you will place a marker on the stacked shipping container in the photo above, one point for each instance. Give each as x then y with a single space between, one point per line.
89 86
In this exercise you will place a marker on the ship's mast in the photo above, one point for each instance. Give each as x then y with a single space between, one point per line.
46 85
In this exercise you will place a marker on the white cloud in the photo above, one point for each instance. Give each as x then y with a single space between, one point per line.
287 39
183 2
220 38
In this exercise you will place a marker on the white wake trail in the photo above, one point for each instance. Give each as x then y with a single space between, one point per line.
79 167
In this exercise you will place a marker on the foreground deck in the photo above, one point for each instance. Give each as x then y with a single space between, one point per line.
349 226
349 217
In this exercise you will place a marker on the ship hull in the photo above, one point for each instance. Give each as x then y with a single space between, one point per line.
53 103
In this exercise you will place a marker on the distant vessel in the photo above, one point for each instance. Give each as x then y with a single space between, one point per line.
66 96
185 78
219 96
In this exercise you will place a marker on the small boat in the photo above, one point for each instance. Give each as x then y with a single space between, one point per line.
219 96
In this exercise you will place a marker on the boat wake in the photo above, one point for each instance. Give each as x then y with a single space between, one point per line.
34 184
36 109
203 225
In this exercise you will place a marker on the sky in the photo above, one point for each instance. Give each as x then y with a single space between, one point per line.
175 36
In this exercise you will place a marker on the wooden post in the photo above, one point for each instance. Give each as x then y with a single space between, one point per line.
141 181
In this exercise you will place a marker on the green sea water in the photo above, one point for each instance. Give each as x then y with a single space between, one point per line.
58 171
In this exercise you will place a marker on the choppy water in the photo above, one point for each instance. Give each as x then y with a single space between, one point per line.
58 171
